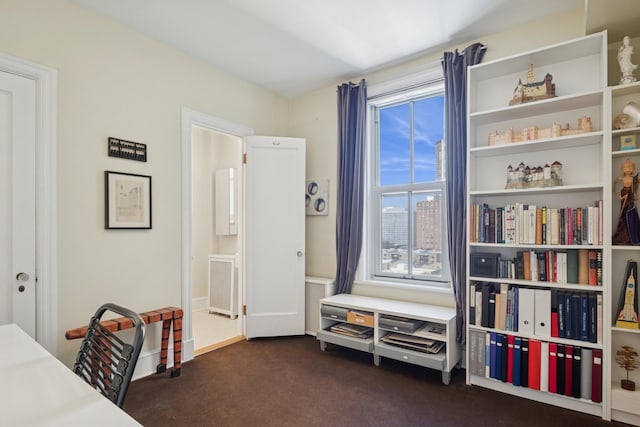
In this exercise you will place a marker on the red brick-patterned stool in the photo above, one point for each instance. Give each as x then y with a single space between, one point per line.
168 315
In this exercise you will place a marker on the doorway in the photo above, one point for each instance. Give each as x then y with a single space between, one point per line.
44 160
222 142
216 162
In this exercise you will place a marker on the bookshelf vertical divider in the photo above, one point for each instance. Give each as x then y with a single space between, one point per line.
558 151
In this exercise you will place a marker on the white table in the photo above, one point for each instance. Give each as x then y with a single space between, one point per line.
36 389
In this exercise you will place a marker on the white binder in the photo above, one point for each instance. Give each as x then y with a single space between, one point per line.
526 302
542 314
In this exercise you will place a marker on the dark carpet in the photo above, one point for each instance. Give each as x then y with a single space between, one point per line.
290 382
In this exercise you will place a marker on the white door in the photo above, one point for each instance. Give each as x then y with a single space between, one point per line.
17 202
275 236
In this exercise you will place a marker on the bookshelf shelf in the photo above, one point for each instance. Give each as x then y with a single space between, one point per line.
579 72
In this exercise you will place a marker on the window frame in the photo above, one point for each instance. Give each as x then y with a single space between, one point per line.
385 96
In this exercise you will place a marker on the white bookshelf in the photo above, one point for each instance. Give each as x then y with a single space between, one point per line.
579 73
625 405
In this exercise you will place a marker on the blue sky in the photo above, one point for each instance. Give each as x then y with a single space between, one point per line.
394 140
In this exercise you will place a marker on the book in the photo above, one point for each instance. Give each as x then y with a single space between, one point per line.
568 370
492 355
560 367
524 363
510 348
544 366
492 309
593 267
583 266
585 373
584 317
593 317
575 316
502 307
517 360
554 313
504 362
561 313
577 372
499 346
553 347
472 304
533 380
596 376
487 355
486 295
572 266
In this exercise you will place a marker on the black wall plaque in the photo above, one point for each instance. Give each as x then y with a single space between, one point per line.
127 149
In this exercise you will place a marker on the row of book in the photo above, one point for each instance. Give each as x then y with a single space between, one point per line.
568 370
529 224
580 266
540 312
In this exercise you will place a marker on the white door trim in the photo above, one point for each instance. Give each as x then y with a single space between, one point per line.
46 80
192 118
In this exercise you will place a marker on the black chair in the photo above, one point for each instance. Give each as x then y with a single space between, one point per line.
104 360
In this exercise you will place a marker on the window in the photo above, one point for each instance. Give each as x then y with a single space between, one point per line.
406 206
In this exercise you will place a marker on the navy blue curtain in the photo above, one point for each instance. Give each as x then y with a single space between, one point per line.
352 109
455 66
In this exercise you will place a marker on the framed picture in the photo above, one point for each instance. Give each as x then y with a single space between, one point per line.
317 197
127 200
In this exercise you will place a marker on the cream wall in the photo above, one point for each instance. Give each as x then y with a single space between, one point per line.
113 82
314 116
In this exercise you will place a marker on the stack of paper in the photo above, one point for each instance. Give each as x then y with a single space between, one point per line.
424 345
352 330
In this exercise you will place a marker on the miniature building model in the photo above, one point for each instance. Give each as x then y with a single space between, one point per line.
533 91
531 133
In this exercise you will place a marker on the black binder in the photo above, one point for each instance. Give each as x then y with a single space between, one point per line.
577 371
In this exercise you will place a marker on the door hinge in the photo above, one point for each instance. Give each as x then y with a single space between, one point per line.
244 310
244 158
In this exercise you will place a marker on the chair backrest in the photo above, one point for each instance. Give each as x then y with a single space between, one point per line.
104 360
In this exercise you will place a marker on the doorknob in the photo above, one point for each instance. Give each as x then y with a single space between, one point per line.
22 277
299 253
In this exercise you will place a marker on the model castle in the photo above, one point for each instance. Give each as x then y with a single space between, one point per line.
531 133
533 91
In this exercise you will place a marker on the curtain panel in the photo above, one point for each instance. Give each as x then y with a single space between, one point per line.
455 65
352 109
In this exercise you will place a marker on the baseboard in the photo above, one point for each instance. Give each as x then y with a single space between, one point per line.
200 304
148 361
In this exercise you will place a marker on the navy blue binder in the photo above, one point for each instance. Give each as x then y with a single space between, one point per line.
517 357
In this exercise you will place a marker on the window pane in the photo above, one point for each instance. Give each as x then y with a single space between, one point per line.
394 145
427 246
427 139
395 233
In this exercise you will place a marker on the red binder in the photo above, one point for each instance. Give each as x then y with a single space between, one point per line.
596 376
510 342
552 367
534 364
568 371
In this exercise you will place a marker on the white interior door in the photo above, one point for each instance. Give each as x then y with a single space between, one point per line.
17 201
275 236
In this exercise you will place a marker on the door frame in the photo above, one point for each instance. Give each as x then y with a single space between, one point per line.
192 118
46 80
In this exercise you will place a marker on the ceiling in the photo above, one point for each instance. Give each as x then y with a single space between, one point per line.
293 46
